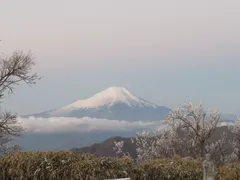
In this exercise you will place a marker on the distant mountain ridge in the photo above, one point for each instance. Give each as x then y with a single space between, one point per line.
105 148
114 103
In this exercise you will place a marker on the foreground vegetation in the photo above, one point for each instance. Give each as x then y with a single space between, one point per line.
69 166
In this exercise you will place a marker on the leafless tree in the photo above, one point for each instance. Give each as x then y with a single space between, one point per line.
187 132
218 150
235 142
13 71
118 148
196 123
155 144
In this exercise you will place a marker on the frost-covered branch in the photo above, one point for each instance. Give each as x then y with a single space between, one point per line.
196 124
119 149
188 133
235 141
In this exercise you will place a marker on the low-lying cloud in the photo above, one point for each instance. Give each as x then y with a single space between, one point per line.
67 124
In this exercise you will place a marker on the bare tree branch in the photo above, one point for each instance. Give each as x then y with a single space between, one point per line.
196 124
13 71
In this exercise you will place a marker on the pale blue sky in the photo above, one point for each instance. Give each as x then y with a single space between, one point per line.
163 51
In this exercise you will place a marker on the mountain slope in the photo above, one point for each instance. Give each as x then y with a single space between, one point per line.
105 148
113 103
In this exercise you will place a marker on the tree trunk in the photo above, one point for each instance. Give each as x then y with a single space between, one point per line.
202 149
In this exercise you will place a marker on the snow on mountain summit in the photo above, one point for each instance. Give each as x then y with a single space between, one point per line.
115 103
109 97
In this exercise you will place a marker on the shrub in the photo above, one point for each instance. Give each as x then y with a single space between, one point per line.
172 169
71 166
64 165
229 172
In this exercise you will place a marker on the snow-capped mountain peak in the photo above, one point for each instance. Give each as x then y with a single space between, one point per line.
109 97
115 103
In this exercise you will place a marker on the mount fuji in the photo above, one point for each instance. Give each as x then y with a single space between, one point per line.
114 103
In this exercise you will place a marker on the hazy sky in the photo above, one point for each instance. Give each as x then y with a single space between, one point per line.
164 51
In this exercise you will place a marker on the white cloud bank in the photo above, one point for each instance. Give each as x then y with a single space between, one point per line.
66 124
87 124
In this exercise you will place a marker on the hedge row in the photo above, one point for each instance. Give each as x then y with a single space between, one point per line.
173 169
71 166
229 172
64 166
